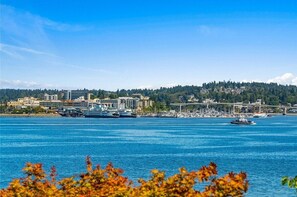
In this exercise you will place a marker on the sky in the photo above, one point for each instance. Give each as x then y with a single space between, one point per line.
113 44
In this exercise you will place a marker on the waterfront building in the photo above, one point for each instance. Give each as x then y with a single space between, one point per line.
89 96
129 102
126 102
79 99
51 104
75 104
111 103
68 95
74 94
48 97
24 102
144 102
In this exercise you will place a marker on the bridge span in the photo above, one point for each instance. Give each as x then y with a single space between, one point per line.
234 105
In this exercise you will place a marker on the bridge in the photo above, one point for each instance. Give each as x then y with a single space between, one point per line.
238 104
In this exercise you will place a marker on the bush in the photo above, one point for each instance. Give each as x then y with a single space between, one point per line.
290 182
110 182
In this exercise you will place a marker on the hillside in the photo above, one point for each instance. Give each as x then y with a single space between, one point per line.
272 94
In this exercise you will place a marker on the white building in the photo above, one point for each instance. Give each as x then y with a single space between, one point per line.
48 97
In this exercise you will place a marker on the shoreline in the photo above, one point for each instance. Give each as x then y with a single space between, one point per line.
30 115
57 115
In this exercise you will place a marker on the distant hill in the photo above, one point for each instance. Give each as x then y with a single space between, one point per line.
272 94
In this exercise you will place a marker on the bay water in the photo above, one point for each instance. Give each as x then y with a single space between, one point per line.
265 151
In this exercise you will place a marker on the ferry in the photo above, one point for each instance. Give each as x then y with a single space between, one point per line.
242 121
70 112
100 111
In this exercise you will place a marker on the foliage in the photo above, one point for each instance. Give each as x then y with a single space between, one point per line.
290 182
14 94
271 94
110 182
156 107
27 110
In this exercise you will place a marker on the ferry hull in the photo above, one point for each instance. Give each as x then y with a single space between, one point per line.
100 116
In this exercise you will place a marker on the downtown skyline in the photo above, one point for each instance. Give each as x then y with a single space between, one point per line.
146 44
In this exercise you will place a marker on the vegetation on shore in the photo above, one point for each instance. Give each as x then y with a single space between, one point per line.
290 182
271 94
109 181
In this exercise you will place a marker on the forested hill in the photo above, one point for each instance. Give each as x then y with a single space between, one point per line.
272 93
14 94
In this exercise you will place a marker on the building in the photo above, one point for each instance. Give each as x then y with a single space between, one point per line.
51 104
68 95
74 94
143 102
111 103
48 97
128 102
24 102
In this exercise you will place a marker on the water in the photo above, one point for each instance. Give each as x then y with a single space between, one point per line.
266 151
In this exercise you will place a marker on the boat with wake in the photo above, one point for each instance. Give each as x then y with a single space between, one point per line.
242 121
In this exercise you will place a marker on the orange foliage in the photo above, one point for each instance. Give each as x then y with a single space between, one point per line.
110 182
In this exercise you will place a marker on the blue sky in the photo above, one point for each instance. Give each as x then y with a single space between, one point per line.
146 44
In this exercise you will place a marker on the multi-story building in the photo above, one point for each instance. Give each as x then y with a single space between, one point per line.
51 104
128 102
24 102
125 102
143 102
74 94
111 103
48 97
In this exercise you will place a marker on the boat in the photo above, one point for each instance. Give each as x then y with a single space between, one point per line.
70 112
242 121
100 111
260 115
127 113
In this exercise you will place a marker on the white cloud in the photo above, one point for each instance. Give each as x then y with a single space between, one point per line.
145 87
18 84
14 51
157 86
285 79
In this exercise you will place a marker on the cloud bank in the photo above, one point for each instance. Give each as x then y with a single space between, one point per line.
285 79
18 84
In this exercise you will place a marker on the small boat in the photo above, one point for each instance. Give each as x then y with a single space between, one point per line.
242 121
260 115
127 113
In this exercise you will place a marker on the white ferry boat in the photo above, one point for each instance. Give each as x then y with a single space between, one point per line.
100 111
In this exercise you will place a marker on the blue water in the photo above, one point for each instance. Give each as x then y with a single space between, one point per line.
266 151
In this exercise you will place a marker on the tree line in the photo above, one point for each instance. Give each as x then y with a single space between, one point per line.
226 91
